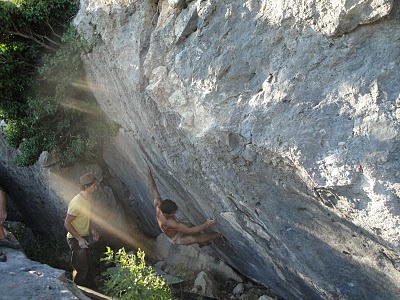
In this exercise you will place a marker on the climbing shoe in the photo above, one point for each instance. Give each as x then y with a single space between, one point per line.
3 257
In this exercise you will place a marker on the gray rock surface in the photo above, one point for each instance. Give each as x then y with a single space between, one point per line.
204 284
278 119
187 261
31 197
22 278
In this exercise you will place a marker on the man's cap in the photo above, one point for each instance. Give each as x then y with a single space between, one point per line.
87 179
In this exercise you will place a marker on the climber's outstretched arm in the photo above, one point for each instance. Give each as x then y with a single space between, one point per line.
153 189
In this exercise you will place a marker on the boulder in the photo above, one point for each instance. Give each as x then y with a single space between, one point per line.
279 120
22 278
205 285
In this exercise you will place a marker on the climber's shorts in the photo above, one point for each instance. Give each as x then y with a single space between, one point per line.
177 238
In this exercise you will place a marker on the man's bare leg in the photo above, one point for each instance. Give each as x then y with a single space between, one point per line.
3 213
201 239
2 234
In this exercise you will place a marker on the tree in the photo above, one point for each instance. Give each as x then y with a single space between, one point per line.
39 21
41 76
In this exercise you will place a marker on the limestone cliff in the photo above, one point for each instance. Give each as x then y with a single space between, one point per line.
280 119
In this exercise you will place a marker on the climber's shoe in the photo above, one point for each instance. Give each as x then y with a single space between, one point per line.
204 244
3 257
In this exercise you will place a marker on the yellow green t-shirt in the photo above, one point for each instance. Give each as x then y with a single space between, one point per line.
80 208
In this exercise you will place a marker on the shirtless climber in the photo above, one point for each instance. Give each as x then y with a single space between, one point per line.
177 232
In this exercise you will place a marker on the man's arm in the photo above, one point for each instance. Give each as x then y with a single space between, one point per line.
94 232
68 225
93 225
153 189
180 227
3 212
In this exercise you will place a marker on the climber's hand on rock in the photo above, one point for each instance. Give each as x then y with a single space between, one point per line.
211 222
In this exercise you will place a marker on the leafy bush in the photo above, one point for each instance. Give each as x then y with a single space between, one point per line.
132 279
46 101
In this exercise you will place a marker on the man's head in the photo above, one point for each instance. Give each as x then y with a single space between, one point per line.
86 181
168 207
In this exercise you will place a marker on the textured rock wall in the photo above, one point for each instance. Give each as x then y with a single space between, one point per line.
22 278
278 118
30 195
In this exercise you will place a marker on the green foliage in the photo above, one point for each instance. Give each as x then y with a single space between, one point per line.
133 279
45 99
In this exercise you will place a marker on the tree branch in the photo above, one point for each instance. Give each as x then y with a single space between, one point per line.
53 31
44 45
45 38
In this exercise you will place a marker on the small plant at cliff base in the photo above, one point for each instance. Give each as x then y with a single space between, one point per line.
132 279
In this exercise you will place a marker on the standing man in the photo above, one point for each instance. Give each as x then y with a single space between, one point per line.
177 232
4 240
78 224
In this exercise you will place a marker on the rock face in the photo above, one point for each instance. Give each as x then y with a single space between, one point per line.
280 119
22 278
31 198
